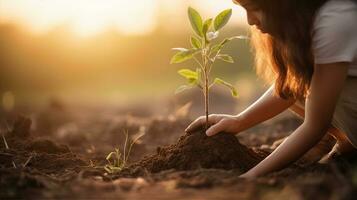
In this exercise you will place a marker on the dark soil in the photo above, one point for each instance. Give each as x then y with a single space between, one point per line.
196 150
166 164
36 154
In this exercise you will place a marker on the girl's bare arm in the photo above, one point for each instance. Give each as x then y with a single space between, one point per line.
326 86
266 107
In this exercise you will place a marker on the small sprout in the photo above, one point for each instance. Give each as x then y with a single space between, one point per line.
205 53
118 161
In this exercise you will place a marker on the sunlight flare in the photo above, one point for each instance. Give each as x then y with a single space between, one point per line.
85 17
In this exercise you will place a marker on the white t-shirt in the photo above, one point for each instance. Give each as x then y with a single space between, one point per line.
335 34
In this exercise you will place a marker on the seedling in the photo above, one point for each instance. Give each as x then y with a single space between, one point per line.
116 160
205 53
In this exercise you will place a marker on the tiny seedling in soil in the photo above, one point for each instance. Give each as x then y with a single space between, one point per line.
205 52
118 161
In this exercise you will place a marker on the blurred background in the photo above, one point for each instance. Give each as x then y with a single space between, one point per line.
113 53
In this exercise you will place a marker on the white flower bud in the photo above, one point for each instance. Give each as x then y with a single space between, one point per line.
212 35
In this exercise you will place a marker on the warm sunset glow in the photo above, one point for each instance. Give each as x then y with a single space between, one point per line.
89 17
86 17
214 6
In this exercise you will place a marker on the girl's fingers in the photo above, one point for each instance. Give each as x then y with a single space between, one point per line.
199 122
195 124
215 129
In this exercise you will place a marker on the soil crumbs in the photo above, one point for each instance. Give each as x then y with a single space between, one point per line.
192 167
196 150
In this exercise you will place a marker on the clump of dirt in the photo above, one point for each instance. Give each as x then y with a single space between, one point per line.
57 164
36 153
195 151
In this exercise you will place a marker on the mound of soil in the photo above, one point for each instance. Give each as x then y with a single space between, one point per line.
36 153
47 146
196 150
58 164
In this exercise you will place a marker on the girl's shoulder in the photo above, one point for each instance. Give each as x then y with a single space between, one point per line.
337 10
335 32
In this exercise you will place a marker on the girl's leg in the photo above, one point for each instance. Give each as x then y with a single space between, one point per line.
343 144
335 138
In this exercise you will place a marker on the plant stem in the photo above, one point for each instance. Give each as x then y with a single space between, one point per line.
125 144
198 62
206 99
205 73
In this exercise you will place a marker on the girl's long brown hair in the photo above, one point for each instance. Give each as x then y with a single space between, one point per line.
284 56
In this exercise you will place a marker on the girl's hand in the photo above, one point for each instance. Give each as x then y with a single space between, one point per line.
248 176
218 123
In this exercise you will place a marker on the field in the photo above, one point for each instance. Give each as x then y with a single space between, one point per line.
82 81
60 153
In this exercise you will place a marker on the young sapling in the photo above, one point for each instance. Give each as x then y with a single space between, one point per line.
205 52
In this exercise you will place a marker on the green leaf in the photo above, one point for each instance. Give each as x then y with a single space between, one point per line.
180 49
107 168
195 20
187 73
193 77
199 78
234 92
226 58
206 25
109 155
183 88
183 55
219 46
192 81
222 19
195 43
225 41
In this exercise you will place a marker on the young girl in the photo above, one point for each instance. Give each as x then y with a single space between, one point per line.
307 50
